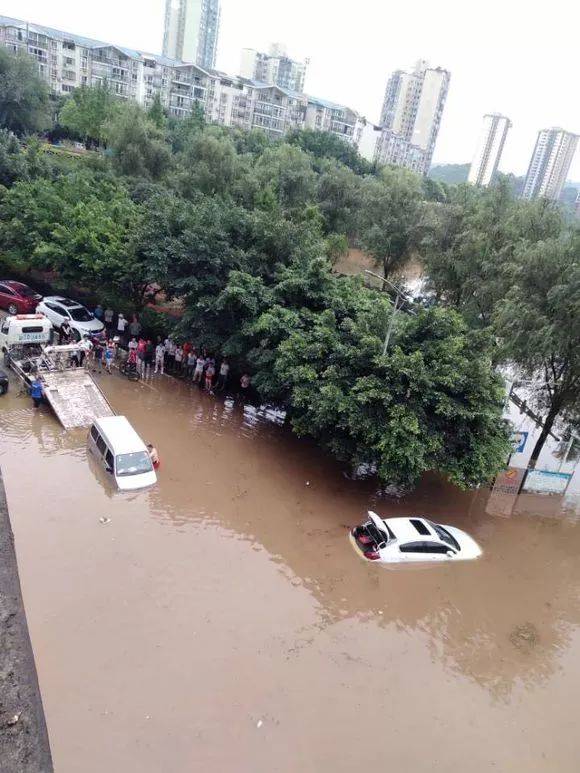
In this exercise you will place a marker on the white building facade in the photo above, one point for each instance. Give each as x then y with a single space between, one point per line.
550 163
275 68
489 149
191 31
67 61
411 117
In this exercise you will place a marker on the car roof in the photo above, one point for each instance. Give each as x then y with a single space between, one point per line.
63 301
119 432
406 531
12 283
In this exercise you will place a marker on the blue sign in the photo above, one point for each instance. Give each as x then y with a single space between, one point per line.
519 440
547 482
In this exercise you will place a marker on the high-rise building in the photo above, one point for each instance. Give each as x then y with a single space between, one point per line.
489 149
275 68
411 116
191 31
550 163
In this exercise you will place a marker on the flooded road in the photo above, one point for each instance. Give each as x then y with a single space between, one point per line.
222 622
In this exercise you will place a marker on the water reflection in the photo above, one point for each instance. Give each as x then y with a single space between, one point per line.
231 474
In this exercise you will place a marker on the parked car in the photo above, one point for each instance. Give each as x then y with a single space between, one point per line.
81 320
18 298
416 539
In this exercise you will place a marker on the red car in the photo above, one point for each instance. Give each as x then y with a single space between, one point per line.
18 298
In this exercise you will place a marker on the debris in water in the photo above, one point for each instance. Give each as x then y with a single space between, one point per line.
525 637
308 483
14 719
104 520
259 723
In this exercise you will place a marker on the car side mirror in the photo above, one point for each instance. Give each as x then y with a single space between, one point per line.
450 554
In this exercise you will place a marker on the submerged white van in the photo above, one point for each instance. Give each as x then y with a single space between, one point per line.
122 453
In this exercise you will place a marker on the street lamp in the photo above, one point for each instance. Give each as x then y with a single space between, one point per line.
396 306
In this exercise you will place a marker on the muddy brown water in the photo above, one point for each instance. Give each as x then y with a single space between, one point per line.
222 622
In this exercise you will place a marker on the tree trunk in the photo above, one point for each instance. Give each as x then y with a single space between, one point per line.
546 429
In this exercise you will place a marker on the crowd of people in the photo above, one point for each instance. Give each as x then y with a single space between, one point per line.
150 358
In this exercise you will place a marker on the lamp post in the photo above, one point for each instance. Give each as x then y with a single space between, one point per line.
396 307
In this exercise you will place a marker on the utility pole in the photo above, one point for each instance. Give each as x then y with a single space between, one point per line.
396 307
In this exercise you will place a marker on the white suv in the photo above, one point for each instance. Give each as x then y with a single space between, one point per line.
59 310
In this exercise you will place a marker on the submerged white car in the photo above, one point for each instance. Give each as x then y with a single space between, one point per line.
416 539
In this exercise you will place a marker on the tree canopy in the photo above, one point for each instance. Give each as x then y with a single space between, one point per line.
243 228
24 101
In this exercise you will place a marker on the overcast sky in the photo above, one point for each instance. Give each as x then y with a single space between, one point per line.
509 56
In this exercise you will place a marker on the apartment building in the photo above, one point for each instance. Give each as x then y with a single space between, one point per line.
68 61
191 31
550 163
411 116
490 146
275 68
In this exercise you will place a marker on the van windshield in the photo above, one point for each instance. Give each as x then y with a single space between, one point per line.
134 464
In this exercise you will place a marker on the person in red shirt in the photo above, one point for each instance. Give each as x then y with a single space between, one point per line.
141 346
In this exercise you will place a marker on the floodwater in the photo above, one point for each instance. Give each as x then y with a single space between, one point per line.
221 621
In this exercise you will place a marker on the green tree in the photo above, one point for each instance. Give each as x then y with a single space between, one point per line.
539 326
288 171
24 102
326 145
88 112
390 216
339 198
209 164
138 146
156 113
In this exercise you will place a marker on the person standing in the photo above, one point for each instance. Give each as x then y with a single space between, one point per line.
209 374
148 357
169 355
159 357
36 391
65 332
109 355
98 312
178 355
108 318
245 382
121 325
198 373
190 364
85 349
141 346
223 376
98 352
135 327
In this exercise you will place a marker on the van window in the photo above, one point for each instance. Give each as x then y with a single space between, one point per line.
94 433
109 459
134 464
101 444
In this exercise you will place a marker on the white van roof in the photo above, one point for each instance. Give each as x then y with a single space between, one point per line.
121 435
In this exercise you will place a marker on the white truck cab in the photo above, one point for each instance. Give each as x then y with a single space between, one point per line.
23 329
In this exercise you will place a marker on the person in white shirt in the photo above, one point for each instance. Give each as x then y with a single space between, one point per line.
85 348
178 354
121 325
160 358
223 376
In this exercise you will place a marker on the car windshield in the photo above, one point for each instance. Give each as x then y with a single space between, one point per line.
80 314
444 535
134 464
